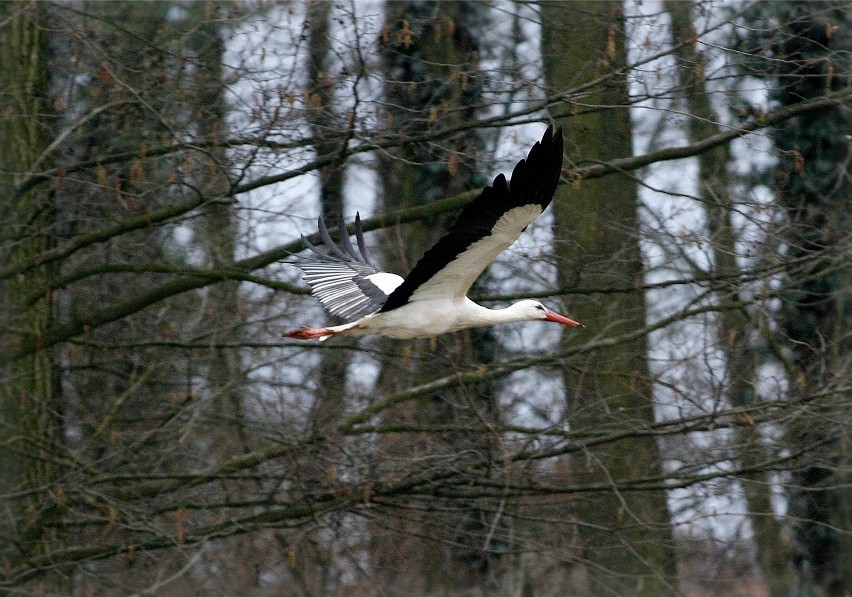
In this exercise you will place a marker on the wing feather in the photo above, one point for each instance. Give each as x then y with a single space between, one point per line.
485 227
344 281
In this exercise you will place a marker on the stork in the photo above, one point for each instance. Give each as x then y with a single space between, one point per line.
432 299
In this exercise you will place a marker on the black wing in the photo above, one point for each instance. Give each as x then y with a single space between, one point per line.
486 226
345 281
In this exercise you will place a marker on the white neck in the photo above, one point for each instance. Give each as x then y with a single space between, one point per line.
476 315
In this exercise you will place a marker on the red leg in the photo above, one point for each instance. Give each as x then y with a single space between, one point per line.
309 333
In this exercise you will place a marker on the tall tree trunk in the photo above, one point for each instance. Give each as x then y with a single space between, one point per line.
430 55
326 129
32 433
772 548
217 231
624 536
813 184
320 461
135 94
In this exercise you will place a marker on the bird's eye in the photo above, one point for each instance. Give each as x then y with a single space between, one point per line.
540 307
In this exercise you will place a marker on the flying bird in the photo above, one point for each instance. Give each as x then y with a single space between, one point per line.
432 299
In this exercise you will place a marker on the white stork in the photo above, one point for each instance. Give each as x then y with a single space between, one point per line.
432 299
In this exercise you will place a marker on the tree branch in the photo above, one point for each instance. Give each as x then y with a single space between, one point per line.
61 332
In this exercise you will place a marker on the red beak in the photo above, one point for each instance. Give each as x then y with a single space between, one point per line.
557 318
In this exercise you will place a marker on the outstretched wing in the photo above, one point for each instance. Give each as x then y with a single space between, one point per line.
486 227
343 280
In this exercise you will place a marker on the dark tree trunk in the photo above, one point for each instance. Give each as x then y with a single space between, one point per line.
430 58
624 536
813 184
31 436
735 332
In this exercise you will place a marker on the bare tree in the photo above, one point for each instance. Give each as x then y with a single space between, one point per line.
814 186
431 53
737 330
598 247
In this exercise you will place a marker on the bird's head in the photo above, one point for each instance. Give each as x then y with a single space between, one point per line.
533 310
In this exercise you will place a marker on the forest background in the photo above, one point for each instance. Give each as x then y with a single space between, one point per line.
158 164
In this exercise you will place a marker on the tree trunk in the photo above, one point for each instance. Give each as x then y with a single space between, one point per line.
430 54
321 461
217 234
326 128
624 536
773 550
129 98
813 185
32 431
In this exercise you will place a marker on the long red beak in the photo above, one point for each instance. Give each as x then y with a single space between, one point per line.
557 318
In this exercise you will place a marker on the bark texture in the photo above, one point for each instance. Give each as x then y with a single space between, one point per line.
624 541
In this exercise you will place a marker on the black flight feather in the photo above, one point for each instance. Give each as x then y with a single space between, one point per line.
340 279
534 181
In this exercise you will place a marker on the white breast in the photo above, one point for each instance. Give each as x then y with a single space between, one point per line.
422 319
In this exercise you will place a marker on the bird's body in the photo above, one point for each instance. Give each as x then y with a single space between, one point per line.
425 319
432 299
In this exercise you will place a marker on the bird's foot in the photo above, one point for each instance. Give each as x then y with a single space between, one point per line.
307 333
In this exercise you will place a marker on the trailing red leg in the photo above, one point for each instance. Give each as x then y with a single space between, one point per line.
310 333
